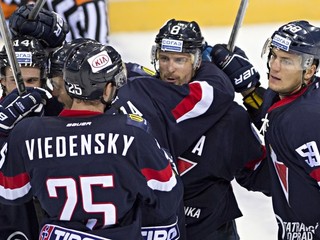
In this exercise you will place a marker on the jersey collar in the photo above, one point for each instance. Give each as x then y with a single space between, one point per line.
287 99
78 113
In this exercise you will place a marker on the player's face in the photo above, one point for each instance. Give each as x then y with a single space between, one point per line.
285 72
176 68
59 91
30 75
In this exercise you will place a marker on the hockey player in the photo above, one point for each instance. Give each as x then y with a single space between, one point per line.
56 62
20 221
207 167
179 114
178 111
32 59
291 111
92 172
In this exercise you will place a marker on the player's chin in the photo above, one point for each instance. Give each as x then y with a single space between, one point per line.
274 83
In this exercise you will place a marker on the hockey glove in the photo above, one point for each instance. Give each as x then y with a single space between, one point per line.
13 107
237 66
48 26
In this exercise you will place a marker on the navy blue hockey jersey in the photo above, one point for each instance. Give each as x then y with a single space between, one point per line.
91 174
20 221
179 115
292 138
209 166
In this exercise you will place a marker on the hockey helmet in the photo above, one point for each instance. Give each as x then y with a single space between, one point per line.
297 37
56 61
178 36
29 52
89 65
57 58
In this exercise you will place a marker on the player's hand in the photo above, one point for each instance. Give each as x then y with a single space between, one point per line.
237 66
13 107
48 26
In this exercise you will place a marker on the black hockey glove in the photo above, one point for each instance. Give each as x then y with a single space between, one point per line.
13 107
237 66
48 26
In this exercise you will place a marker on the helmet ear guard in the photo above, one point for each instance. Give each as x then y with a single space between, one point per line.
153 54
197 58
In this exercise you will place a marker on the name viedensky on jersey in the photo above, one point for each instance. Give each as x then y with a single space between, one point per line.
78 145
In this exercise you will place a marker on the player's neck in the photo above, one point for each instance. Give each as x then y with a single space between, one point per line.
88 107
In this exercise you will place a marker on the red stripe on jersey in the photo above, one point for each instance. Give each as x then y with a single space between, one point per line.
253 164
162 175
315 174
15 182
287 99
188 102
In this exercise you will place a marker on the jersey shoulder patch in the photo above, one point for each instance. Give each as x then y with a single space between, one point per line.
135 70
148 71
137 121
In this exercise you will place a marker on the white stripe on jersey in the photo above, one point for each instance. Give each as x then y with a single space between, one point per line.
163 186
203 105
13 194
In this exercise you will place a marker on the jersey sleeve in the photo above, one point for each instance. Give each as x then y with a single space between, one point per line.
159 171
15 187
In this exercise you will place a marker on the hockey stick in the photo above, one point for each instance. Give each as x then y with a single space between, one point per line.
237 24
11 55
37 7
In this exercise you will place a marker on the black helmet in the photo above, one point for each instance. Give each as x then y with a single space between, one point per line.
29 53
89 65
179 36
57 58
56 61
298 37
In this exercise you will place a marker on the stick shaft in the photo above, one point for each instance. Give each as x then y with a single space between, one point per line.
237 24
11 54
37 7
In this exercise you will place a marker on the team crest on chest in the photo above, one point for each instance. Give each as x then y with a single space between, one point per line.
185 165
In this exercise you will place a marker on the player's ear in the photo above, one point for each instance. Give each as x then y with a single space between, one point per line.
109 92
310 72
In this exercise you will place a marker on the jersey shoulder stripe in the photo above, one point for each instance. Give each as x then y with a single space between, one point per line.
14 187
196 103
161 180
